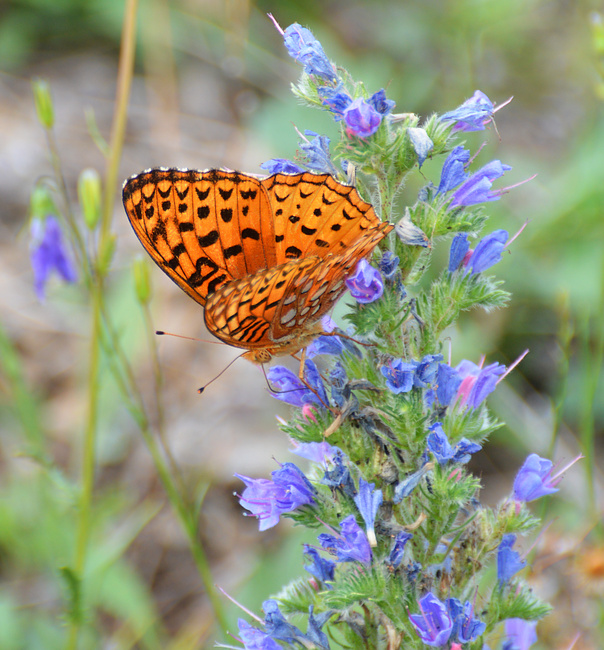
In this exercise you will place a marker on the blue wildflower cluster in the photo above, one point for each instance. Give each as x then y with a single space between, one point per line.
404 539
360 114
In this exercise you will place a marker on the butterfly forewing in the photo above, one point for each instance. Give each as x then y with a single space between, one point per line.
202 228
316 215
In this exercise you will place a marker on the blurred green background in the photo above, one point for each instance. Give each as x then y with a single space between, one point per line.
211 89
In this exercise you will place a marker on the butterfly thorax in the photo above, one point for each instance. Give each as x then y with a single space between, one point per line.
264 355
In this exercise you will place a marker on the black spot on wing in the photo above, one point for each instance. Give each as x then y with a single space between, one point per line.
231 251
202 195
209 239
250 233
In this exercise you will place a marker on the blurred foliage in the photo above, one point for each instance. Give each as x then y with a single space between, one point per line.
429 55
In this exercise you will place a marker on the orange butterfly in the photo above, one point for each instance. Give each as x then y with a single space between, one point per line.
266 258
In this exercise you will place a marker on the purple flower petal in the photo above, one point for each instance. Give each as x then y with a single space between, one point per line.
477 188
306 49
281 166
48 253
534 479
362 120
434 625
366 284
509 561
520 634
488 251
454 169
472 115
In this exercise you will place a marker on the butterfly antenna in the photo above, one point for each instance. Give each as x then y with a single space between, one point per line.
349 338
229 364
187 338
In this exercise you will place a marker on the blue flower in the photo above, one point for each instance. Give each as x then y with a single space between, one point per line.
368 502
267 499
306 49
464 449
477 188
438 444
351 545
382 105
454 169
313 633
447 384
459 249
361 118
426 370
472 115
534 479
339 477
398 549
339 381
48 254
291 390
336 100
422 144
399 375
321 453
254 638
325 345
486 254
433 625
281 166
317 153
466 628
319 567
389 264
408 484
477 383
520 634
366 283
276 624
508 561
488 251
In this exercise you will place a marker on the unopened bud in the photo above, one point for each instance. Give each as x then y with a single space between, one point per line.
43 102
89 194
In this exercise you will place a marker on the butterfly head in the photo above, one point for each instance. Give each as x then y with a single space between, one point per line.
260 356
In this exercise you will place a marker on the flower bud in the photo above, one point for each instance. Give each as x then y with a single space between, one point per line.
43 102
41 203
89 194
142 280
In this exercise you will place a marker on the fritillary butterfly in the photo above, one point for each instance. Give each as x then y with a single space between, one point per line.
267 258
